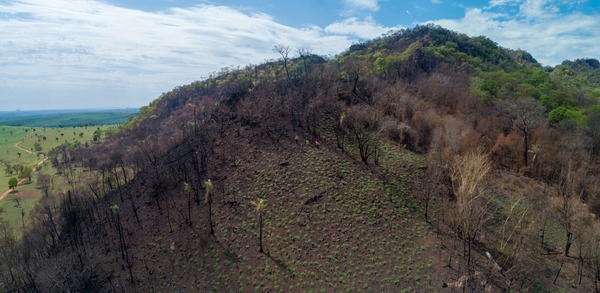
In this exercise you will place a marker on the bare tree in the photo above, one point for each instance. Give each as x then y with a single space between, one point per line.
355 69
187 188
526 114
434 175
568 205
594 248
304 53
362 124
516 225
284 51
468 174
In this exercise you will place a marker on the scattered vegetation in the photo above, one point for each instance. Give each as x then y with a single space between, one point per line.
420 160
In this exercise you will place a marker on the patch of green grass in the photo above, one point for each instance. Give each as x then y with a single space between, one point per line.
27 138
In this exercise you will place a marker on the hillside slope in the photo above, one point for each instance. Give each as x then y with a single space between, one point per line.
365 163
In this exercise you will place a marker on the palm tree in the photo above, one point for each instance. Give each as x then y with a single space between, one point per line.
259 204
340 138
187 188
208 200
116 212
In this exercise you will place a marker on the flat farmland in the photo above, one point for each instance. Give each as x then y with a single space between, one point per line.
28 146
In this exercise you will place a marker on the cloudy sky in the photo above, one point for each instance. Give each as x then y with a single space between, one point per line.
73 54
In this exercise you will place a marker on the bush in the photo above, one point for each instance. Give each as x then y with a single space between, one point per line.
567 117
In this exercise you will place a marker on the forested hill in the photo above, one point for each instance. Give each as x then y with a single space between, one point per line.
491 72
423 160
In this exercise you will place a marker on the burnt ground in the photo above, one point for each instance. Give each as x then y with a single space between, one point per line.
330 224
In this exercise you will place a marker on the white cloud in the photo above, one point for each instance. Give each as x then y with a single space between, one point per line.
436 1
537 8
371 5
366 29
57 47
502 2
541 29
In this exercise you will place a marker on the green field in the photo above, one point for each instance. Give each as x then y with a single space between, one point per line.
66 118
22 200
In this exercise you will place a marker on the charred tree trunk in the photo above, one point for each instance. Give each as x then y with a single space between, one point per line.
569 242
526 143
260 233
210 221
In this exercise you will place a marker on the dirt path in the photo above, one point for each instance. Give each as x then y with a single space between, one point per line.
3 195
19 147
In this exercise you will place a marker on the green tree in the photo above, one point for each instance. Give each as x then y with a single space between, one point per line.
97 135
12 183
8 168
555 99
26 172
566 116
208 186
37 146
593 128
260 204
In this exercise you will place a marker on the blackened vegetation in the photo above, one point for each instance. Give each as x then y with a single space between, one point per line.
415 93
313 199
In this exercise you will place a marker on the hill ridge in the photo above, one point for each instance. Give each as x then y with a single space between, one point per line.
379 204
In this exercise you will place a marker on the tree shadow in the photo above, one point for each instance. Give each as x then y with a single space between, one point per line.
281 264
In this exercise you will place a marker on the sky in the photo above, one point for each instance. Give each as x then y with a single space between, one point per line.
84 54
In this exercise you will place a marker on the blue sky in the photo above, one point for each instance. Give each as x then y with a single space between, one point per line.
72 54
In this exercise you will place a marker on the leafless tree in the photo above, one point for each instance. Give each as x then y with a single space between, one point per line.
284 51
44 182
568 205
468 173
434 176
362 124
355 68
526 114
304 53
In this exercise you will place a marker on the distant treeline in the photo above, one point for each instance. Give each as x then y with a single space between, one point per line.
66 118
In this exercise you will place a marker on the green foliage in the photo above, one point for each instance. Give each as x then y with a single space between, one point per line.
557 98
580 77
537 77
37 146
593 120
259 204
114 209
12 183
565 117
97 135
25 172
496 84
